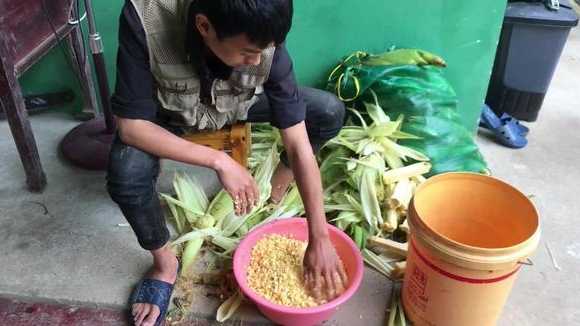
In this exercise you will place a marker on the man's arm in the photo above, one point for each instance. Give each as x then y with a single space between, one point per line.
324 274
307 175
151 138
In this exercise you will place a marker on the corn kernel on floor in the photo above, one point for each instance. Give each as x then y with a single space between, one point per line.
78 249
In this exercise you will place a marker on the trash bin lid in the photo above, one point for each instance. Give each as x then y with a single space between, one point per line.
525 12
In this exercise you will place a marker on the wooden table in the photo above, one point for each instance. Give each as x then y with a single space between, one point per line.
26 35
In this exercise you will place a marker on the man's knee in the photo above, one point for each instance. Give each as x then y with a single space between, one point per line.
334 112
131 175
329 114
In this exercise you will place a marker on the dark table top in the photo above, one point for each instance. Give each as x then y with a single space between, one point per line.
26 27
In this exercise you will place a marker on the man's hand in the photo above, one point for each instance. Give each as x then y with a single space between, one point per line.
238 182
324 273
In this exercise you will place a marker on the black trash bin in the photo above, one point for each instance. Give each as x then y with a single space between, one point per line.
529 49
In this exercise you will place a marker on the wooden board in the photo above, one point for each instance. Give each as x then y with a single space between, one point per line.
235 140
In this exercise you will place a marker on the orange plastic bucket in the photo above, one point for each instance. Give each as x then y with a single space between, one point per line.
469 235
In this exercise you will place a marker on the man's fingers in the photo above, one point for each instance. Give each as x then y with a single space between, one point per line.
248 203
330 286
308 281
151 317
317 278
135 309
236 198
312 288
306 278
317 288
338 284
251 199
342 273
255 190
243 203
142 314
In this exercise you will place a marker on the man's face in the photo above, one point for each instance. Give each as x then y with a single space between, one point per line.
234 51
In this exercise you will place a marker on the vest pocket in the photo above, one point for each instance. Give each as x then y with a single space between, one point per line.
228 98
184 105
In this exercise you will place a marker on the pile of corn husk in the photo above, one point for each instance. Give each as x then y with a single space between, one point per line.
368 178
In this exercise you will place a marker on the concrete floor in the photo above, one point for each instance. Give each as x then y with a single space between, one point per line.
76 251
547 169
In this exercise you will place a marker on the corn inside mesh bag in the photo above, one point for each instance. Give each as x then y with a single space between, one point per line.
410 82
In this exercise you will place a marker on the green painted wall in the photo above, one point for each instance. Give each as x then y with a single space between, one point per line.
465 33
52 73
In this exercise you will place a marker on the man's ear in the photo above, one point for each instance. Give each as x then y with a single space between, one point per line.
203 25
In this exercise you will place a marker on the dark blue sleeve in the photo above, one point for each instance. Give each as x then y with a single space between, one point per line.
288 108
134 96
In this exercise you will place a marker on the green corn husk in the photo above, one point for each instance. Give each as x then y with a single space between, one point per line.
374 165
263 175
227 309
359 236
378 116
205 221
190 213
264 138
402 193
226 243
232 223
178 217
413 170
332 167
393 307
189 254
396 315
404 153
221 206
191 198
346 218
370 203
402 57
365 176
189 192
374 261
252 220
399 270
196 234
391 221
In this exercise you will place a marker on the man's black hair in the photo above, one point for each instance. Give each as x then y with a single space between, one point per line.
263 21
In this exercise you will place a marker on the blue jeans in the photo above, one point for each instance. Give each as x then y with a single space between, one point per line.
132 173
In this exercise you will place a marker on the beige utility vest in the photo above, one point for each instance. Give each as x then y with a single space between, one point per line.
177 82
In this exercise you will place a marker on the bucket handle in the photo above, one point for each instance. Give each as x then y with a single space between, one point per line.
528 262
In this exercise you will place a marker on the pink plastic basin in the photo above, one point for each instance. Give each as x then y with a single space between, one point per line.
297 228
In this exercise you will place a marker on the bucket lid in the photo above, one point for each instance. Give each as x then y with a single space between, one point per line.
536 13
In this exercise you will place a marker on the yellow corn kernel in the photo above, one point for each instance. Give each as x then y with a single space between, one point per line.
276 271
